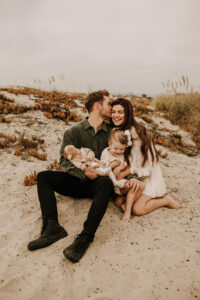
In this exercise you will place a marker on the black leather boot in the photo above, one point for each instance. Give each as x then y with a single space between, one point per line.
75 251
51 233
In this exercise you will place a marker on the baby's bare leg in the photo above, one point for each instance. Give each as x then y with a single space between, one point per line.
118 183
104 171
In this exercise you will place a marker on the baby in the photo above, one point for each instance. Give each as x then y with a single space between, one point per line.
111 157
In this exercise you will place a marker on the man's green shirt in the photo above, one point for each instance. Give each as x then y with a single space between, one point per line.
82 135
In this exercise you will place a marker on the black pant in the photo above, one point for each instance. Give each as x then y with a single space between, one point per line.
99 190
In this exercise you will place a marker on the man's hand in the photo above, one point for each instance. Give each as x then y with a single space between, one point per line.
134 185
92 173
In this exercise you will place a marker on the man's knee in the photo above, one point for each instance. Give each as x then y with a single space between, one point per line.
104 181
104 187
43 175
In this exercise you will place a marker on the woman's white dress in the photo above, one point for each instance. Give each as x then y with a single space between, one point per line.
151 172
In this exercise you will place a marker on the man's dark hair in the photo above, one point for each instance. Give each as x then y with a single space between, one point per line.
95 97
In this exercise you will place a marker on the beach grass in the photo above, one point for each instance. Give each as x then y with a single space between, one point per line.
181 106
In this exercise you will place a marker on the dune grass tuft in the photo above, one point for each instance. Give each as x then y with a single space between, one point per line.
182 109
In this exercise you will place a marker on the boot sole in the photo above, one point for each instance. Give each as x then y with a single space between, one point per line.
47 241
71 258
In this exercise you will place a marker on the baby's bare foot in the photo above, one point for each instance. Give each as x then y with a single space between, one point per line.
172 203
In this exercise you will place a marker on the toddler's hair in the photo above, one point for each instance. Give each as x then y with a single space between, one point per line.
118 135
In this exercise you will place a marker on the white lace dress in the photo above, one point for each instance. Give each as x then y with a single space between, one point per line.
151 172
107 158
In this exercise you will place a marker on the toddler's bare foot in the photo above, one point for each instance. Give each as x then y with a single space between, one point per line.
172 203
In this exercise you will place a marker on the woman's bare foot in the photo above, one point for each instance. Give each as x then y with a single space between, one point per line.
126 217
172 203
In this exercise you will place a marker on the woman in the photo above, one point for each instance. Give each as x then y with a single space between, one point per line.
143 162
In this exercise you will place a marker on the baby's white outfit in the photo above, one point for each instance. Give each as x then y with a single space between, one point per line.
88 159
151 172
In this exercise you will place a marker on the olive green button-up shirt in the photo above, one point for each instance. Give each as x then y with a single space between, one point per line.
82 135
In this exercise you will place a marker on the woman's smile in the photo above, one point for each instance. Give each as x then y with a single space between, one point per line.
118 114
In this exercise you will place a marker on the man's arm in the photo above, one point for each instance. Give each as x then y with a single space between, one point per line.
70 139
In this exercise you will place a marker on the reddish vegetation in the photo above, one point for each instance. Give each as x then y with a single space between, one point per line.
30 179
35 153
7 140
54 166
54 104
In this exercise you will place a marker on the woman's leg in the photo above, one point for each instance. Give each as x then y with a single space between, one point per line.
145 204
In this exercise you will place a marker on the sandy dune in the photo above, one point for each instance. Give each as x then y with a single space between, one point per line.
156 256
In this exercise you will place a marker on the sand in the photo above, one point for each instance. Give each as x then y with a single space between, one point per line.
156 256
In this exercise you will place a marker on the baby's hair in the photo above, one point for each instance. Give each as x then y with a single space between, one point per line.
118 135
69 150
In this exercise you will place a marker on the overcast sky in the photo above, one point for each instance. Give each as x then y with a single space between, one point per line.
121 45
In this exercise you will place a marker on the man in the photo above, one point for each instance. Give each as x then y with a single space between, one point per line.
93 133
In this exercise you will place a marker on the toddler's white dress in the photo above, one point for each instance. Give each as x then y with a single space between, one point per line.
107 158
151 172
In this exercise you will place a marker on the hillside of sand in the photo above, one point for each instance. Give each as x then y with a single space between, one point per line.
156 256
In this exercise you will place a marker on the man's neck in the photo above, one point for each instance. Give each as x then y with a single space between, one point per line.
95 121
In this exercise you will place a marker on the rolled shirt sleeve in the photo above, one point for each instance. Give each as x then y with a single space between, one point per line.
66 165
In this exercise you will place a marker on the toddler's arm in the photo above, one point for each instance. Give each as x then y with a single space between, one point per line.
121 172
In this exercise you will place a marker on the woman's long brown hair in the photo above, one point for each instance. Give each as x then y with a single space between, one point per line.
129 121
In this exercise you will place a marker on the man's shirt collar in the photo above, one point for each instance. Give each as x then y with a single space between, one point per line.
87 125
